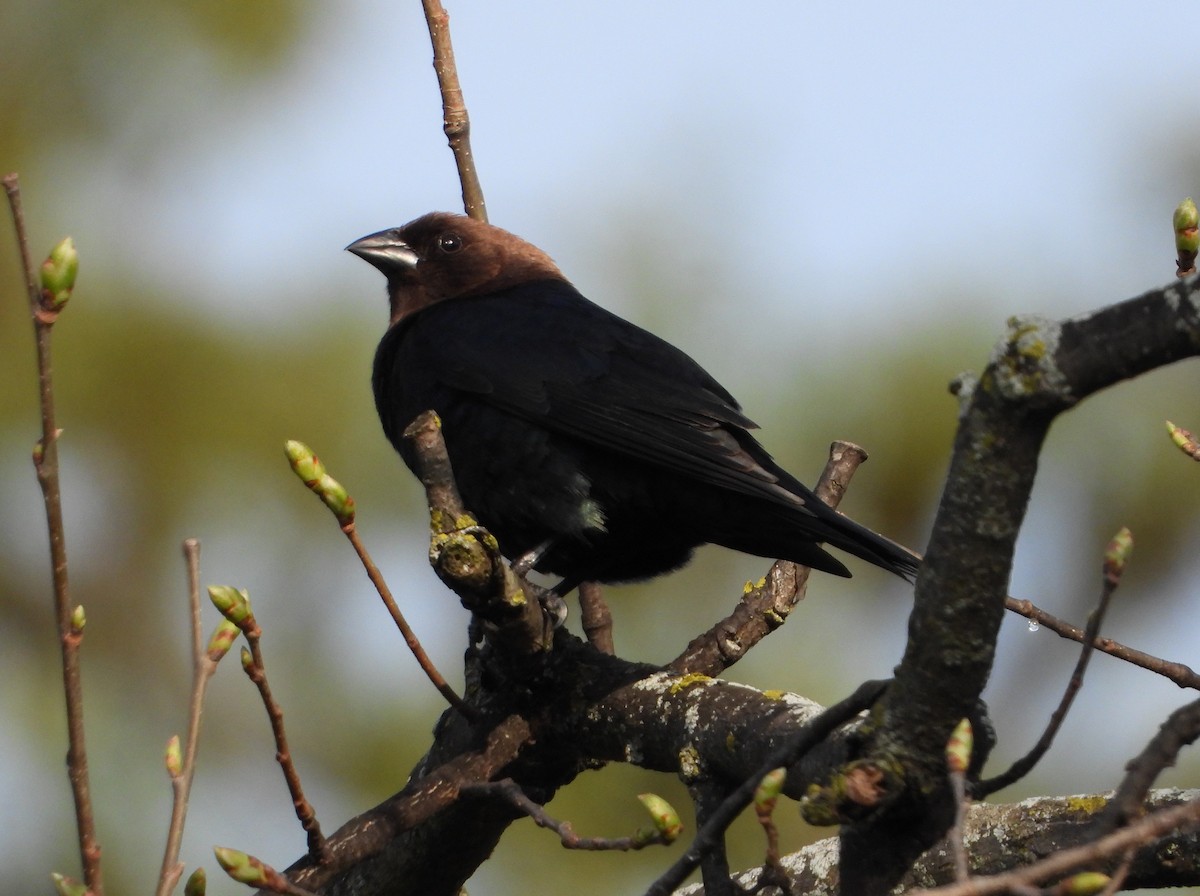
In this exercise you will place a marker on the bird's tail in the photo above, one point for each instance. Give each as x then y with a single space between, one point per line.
856 539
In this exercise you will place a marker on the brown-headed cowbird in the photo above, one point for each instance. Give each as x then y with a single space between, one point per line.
585 444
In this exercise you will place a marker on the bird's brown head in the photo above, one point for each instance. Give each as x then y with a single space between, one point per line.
443 256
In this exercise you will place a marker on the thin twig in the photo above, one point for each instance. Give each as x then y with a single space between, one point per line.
774 873
70 637
1022 766
308 467
406 631
511 792
1117 880
257 672
1181 729
958 846
1178 673
455 122
203 668
765 606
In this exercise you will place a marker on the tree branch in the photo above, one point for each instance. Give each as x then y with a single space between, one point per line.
455 122
1038 370
70 633
1004 837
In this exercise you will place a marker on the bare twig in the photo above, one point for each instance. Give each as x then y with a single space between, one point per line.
765 800
252 663
203 667
512 793
765 606
1022 766
1178 673
306 465
1122 872
1181 728
958 848
455 122
70 635
406 630
959 751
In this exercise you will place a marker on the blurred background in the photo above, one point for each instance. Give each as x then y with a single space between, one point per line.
834 208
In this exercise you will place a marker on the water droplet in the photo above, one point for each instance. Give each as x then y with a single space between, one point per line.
1033 625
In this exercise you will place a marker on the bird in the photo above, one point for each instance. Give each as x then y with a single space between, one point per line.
590 448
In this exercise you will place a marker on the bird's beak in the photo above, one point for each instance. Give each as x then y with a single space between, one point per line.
386 251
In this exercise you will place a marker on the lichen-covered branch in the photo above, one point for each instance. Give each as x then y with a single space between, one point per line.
1038 370
1004 837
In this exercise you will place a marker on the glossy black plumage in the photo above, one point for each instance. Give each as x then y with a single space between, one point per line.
571 428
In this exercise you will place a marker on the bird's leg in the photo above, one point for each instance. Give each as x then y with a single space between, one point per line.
553 606
527 561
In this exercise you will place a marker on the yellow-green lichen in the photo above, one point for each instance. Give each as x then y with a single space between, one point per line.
1087 805
684 682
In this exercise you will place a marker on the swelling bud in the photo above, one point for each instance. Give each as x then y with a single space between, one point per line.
57 276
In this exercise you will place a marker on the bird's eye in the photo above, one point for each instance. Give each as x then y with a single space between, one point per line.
449 243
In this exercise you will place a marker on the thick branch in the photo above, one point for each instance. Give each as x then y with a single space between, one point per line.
581 708
1040 369
1004 837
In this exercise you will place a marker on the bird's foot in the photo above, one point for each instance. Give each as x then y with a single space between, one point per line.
527 561
554 608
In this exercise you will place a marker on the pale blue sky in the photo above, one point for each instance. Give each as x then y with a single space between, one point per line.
1004 142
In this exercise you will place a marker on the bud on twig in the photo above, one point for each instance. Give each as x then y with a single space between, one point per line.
197 883
233 604
58 276
68 886
1085 883
768 790
666 820
309 468
222 639
1187 236
960 746
1116 555
173 757
1187 232
1184 440
243 868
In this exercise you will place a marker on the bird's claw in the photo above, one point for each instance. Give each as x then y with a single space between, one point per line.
526 562
553 607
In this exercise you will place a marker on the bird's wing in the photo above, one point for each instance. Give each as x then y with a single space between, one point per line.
545 353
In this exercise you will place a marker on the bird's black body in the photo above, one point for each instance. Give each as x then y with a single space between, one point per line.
571 428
